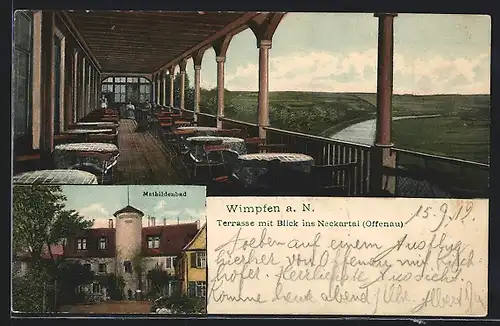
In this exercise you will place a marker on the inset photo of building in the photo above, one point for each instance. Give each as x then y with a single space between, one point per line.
109 249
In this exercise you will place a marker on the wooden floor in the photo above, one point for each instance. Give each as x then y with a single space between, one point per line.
143 158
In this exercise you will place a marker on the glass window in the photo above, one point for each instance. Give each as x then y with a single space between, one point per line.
170 262
108 80
81 244
153 242
128 266
102 243
102 268
201 259
57 84
22 58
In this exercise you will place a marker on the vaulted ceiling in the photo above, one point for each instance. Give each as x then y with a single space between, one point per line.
145 41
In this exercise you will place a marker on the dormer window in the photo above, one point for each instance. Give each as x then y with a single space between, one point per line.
154 242
102 243
81 244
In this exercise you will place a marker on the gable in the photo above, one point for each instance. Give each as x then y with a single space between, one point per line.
199 241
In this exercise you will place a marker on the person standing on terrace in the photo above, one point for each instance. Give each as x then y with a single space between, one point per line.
130 110
104 102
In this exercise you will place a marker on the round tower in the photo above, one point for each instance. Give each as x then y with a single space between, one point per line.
128 246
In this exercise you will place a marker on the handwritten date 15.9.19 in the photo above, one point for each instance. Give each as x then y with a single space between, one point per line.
444 215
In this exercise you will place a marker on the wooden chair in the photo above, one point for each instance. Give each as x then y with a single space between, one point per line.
104 173
179 137
272 148
229 133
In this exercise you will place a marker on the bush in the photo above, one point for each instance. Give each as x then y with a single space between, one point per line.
181 304
30 294
114 284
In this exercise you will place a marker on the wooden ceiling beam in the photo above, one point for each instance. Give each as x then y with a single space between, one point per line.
151 17
236 24
103 26
151 21
143 36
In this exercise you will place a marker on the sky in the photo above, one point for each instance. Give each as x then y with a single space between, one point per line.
337 52
101 202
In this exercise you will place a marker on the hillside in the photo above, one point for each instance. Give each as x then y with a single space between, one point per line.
462 131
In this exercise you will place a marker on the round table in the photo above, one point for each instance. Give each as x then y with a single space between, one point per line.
96 124
66 155
251 166
89 131
202 131
55 177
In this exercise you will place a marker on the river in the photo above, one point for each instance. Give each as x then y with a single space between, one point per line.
364 132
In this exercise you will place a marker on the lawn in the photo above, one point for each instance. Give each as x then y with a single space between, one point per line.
446 136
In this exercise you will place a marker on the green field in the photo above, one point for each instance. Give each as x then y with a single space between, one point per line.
462 131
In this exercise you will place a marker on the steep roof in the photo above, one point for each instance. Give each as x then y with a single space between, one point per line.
173 238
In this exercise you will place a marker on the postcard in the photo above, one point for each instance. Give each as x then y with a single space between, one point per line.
347 256
374 127
109 249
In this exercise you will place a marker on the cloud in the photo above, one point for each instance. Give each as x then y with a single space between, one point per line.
160 206
356 72
95 210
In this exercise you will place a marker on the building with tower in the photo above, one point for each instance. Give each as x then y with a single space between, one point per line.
129 250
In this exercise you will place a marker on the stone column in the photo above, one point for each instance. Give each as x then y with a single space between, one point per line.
197 77
154 89
164 90
172 79
158 89
182 92
263 102
220 90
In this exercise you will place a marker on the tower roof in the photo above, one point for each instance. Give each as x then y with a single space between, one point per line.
128 209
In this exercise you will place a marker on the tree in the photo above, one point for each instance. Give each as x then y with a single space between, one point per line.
41 220
72 274
159 280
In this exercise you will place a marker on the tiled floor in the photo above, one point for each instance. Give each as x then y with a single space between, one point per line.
144 159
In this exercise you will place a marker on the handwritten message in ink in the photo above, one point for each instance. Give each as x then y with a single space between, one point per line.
356 256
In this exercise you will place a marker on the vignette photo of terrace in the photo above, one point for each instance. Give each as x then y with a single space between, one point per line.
306 208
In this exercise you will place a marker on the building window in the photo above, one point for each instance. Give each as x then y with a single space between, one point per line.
57 46
87 267
75 85
153 242
199 259
170 262
197 289
123 89
21 83
102 268
128 266
102 243
81 244
96 288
